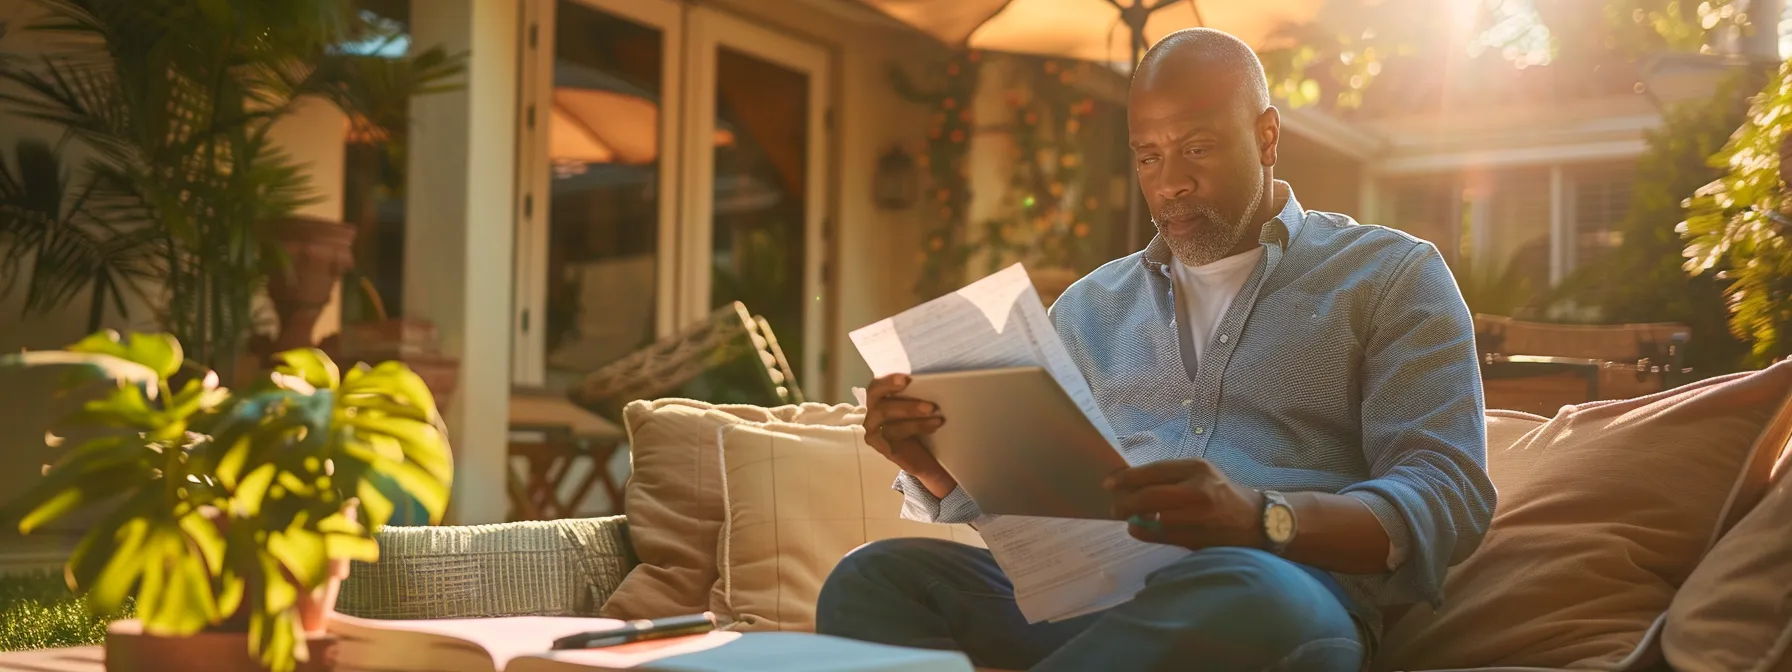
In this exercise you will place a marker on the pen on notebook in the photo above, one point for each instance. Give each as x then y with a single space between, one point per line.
640 630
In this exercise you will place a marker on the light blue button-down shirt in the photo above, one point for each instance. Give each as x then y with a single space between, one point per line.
1346 364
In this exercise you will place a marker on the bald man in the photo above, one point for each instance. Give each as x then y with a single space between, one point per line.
1298 395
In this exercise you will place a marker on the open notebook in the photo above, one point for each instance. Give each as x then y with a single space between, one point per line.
520 644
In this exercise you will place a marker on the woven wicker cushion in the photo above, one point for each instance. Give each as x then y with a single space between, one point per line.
1603 512
1735 611
533 568
798 499
674 498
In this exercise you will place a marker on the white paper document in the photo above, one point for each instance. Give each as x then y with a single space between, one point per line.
1060 568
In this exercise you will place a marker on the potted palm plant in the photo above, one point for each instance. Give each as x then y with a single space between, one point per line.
180 192
226 510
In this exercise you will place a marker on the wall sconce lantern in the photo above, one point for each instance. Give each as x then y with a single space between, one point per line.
897 183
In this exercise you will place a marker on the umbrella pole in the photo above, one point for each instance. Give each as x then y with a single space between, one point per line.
1135 196
1135 17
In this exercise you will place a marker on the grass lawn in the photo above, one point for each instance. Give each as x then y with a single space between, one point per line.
37 611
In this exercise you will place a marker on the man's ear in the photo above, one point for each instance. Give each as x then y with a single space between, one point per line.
1269 134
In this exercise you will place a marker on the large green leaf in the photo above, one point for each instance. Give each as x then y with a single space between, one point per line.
96 471
430 492
423 445
124 407
312 366
389 383
118 572
374 504
159 352
274 636
106 367
300 551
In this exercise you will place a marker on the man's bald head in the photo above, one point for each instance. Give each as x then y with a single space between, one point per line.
1215 61
1203 136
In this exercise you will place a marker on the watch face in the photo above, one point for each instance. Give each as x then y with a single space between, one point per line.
1278 523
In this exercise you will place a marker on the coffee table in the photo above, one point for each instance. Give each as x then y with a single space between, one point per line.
76 659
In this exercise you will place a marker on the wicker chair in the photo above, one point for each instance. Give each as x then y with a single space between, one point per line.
729 335
1538 368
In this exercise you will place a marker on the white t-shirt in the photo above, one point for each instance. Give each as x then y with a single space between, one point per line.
1203 293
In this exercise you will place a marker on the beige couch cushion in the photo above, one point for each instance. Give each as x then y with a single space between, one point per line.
798 499
1734 613
1603 512
674 498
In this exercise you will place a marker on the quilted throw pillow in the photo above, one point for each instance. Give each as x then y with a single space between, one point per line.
798 499
674 497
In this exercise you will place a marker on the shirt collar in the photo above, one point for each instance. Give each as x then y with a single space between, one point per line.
1279 230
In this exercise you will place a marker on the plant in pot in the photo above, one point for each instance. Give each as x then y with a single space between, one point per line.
180 191
223 510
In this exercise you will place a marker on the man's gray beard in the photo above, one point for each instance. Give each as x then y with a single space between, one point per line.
1216 240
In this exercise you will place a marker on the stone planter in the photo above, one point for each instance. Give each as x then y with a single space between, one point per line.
318 252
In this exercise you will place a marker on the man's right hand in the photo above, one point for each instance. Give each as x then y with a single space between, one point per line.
900 427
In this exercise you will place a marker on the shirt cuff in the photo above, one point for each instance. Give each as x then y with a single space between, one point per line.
1399 538
919 504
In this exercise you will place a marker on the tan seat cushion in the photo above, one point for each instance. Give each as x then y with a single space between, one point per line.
1735 612
1603 512
674 498
799 498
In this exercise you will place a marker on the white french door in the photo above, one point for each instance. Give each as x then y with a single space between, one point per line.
754 221
671 159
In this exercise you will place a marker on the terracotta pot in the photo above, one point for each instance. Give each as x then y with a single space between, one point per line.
130 649
318 252
395 338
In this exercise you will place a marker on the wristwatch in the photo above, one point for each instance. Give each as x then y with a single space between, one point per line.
1278 522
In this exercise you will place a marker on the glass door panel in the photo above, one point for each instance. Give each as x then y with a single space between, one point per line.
604 197
757 241
759 102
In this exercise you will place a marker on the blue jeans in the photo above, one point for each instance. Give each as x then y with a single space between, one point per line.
1218 609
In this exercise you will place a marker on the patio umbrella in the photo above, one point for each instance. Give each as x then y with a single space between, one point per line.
598 126
1104 31
600 117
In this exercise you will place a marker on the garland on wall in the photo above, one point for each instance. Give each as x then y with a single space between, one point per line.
1045 217
947 201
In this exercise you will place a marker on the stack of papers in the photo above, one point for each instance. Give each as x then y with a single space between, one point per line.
1060 568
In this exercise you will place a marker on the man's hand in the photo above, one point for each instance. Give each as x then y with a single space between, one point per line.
899 427
1192 503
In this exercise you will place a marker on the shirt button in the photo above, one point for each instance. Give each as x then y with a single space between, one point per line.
1200 430
1224 338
